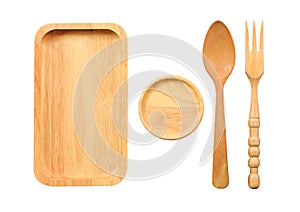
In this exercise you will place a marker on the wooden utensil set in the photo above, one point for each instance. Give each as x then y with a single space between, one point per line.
170 108
219 59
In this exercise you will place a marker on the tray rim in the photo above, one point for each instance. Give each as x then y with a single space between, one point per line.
39 174
42 31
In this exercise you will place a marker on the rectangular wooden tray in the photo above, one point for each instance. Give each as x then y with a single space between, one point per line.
61 53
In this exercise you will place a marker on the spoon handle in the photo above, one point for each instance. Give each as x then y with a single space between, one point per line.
254 140
220 164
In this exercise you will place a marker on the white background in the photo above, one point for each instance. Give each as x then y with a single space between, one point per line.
187 188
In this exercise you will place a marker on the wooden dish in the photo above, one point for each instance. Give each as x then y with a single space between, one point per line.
61 53
171 108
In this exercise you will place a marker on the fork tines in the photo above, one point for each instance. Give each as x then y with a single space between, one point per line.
255 57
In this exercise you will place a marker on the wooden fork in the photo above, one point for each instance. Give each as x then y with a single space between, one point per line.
254 71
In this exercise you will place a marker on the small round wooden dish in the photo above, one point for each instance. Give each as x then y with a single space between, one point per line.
171 107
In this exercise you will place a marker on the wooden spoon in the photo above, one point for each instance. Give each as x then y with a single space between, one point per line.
219 59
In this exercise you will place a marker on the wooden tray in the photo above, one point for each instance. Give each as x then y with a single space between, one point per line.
61 53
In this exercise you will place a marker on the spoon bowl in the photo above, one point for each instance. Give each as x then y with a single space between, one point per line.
219 52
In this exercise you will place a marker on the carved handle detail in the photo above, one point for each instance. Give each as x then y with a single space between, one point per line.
253 163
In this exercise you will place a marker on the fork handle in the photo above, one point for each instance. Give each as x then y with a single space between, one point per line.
254 140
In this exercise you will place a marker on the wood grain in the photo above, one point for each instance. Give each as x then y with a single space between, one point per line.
171 107
61 52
